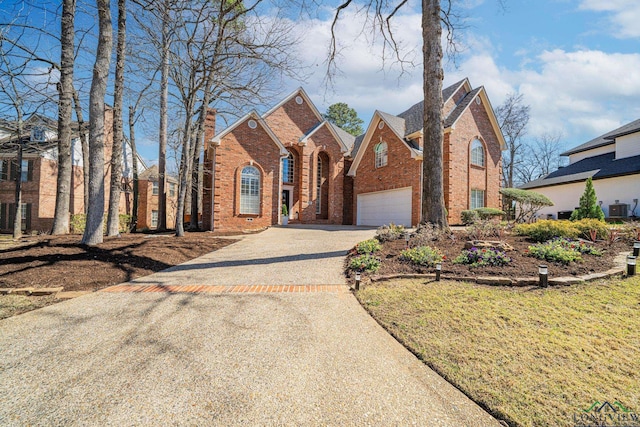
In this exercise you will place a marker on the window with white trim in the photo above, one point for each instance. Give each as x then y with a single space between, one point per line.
381 152
288 168
155 188
250 191
319 186
24 176
477 153
477 199
154 219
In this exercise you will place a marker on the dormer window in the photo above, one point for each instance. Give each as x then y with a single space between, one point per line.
381 152
38 134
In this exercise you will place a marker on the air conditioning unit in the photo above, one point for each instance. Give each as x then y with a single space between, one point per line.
618 210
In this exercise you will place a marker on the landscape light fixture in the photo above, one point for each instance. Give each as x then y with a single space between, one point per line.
438 271
543 274
631 265
357 280
636 248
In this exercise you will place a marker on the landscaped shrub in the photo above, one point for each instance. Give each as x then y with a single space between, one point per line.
390 232
422 255
469 217
589 226
368 246
528 202
588 207
544 230
427 233
483 229
475 257
555 251
365 262
78 223
489 213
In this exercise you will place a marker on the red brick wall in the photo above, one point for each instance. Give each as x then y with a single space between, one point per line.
401 171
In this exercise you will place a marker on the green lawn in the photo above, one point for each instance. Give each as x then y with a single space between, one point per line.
535 357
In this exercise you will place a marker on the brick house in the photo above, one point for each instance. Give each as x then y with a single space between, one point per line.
288 156
40 172
148 189
387 160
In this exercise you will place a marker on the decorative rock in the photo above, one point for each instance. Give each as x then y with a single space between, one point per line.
46 291
491 280
486 244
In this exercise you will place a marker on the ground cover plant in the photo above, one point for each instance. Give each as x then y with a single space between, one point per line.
533 357
422 255
475 257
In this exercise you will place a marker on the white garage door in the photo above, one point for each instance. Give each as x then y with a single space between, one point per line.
384 207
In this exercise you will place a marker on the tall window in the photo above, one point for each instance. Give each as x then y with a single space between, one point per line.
319 186
154 219
477 199
172 189
155 189
250 191
24 176
477 153
381 154
288 168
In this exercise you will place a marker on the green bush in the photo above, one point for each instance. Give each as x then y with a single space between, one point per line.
555 250
365 262
390 232
422 255
368 246
489 213
588 207
544 230
587 225
469 217
528 202
475 257
79 221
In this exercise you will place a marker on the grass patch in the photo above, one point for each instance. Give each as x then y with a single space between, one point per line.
532 357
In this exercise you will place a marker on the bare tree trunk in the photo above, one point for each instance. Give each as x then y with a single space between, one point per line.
113 217
17 219
93 233
63 187
185 170
134 163
84 143
433 209
164 96
195 180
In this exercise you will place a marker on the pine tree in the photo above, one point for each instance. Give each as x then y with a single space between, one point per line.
588 207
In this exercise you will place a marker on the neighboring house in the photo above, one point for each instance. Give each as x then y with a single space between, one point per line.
387 164
40 172
612 161
290 155
148 190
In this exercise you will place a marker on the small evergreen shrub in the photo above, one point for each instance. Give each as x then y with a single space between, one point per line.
525 204
489 213
475 257
368 246
365 262
422 255
546 229
588 207
388 233
469 217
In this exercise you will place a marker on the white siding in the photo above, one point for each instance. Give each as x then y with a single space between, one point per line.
628 146
590 153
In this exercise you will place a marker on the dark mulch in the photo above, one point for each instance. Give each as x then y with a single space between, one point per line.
520 266
53 261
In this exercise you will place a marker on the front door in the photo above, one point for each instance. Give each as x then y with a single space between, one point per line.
286 200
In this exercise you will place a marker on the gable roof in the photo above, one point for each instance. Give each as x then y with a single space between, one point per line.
300 91
605 139
253 114
596 167
152 174
344 139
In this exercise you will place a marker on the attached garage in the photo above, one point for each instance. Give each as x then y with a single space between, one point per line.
384 207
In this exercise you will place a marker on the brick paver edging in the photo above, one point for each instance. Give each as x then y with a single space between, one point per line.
218 289
617 271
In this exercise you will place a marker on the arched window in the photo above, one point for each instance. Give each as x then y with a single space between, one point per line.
250 190
288 168
381 154
477 153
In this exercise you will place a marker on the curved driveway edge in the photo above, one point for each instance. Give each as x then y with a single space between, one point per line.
300 359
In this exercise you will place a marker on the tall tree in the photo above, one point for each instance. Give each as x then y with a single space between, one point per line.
345 117
93 233
65 90
513 117
164 97
113 217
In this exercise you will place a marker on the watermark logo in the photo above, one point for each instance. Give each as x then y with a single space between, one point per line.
606 414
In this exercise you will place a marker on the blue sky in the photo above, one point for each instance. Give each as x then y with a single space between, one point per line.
576 62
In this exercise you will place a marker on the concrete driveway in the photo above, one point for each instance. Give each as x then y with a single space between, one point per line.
200 358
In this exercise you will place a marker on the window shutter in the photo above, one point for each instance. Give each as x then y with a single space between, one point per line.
14 170
27 226
30 170
11 215
4 174
3 216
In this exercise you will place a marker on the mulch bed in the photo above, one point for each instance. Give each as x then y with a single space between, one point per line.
521 265
53 261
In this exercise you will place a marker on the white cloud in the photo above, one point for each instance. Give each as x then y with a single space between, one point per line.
623 15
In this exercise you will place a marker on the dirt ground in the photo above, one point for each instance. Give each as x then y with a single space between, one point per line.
53 261
521 265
